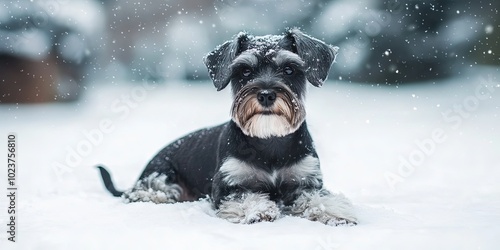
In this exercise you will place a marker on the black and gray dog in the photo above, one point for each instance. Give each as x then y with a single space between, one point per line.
262 164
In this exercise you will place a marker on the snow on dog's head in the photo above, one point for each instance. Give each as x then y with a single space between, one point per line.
268 75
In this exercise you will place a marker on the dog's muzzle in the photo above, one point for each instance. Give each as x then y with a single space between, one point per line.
267 111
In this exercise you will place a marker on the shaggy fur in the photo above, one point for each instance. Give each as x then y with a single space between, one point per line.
262 163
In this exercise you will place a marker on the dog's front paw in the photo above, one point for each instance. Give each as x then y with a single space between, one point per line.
248 209
268 214
335 221
327 208
324 215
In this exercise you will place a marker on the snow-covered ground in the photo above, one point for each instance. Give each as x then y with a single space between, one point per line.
419 179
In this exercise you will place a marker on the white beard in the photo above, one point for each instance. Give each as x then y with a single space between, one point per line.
267 125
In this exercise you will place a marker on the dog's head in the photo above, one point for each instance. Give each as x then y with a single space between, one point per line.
268 75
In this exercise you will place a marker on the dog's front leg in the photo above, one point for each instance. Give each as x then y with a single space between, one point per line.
248 208
325 207
240 205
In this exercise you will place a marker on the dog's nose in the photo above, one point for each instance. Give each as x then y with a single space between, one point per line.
266 97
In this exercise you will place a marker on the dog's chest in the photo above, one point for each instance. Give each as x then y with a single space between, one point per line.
306 171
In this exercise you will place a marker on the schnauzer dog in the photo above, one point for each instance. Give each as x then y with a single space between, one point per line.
262 163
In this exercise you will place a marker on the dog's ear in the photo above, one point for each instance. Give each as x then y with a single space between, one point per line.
218 61
317 55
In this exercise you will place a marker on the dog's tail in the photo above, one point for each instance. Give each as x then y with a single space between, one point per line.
108 183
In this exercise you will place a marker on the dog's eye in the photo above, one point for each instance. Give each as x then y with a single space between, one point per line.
246 72
288 70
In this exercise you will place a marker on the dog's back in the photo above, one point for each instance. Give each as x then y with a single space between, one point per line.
193 171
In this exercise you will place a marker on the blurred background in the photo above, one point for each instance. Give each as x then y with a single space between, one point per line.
52 50
111 82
